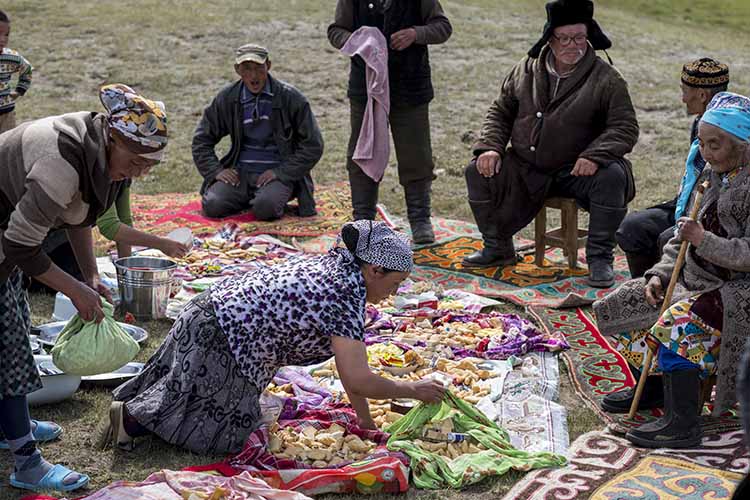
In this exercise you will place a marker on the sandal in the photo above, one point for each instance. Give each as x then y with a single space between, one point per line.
52 480
120 438
44 432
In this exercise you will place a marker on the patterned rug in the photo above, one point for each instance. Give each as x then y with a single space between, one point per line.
597 369
162 213
606 467
552 285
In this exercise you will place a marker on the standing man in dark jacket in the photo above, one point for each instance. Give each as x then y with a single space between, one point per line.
643 234
275 144
408 26
570 122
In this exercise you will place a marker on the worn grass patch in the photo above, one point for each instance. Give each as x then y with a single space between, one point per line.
181 52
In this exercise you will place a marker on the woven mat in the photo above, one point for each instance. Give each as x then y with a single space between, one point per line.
525 284
606 467
597 369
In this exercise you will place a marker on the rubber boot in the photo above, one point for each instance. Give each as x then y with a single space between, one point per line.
680 426
639 263
651 397
603 224
364 192
497 251
418 210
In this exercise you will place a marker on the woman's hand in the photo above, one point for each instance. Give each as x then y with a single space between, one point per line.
654 292
87 300
173 248
690 230
428 390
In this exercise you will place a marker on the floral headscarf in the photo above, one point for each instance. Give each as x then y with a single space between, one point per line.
380 245
140 122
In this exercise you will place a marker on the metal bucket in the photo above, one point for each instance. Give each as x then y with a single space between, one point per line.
145 284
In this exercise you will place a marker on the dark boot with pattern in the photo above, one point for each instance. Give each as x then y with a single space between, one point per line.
680 427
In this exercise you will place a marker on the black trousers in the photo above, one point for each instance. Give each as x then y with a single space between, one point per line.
645 232
410 129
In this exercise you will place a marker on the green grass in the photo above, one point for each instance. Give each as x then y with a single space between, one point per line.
181 52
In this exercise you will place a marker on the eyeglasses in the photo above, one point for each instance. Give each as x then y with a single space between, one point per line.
565 39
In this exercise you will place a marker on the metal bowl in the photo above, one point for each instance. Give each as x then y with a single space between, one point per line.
48 333
116 377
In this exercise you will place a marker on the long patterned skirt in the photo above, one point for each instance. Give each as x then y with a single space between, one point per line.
18 373
191 393
690 328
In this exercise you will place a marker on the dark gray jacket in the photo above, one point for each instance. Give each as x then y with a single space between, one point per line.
295 132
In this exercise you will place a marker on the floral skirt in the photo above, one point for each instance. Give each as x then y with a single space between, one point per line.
690 328
191 393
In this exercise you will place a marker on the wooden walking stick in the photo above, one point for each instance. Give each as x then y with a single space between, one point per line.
667 300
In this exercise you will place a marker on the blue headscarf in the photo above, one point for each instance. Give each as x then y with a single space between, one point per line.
727 111
731 113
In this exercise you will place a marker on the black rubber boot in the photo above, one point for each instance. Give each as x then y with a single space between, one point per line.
418 210
603 224
651 397
640 263
497 251
364 194
680 426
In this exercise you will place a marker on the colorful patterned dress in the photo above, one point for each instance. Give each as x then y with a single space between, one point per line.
690 328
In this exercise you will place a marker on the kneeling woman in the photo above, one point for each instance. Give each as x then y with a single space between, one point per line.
704 330
201 389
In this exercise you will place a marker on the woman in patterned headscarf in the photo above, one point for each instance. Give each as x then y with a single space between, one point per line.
703 332
228 343
61 171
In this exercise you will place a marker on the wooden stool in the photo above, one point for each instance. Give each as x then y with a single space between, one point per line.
568 236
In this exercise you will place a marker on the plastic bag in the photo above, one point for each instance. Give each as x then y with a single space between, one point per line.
90 348
433 471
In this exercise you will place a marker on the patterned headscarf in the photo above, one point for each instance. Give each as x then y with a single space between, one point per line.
731 113
380 245
140 122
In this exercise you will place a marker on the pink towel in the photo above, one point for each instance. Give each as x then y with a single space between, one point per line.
373 146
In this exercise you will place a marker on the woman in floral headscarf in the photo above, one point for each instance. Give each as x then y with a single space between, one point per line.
703 332
60 171
201 389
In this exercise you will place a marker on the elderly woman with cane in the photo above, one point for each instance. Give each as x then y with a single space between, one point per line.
704 328
60 172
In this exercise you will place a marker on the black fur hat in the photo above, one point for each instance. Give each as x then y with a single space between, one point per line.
565 12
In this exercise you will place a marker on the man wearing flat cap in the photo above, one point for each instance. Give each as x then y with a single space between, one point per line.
561 126
275 144
643 234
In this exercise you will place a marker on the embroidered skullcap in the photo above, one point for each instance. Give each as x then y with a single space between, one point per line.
731 113
141 123
380 245
705 73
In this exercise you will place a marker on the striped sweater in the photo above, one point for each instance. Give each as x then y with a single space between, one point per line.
54 175
12 62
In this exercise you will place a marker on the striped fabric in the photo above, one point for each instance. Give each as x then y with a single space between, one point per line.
12 62
259 151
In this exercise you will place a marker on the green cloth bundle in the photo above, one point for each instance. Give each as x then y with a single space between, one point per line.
433 471
90 348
